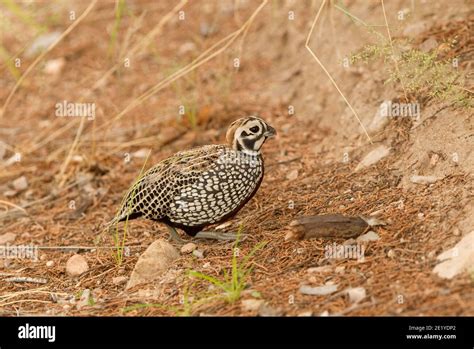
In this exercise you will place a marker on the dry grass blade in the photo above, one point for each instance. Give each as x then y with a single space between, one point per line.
328 74
141 44
41 56
12 205
62 178
393 51
188 68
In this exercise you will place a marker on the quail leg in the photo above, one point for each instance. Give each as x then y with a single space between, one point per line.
174 235
217 235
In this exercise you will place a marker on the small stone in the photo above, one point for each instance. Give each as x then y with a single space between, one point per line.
324 313
252 304
198 254
20 183
429 45
9 193
391 254
322 269
186 48
373 157
118 280
292 175
188 248
141 154
318 291
369 236
77 158
7 238
356 294
267 310
423 179
206 29
41 43
380 119
85 299
306 313
434 160
50 264
54 66
458 259
76 265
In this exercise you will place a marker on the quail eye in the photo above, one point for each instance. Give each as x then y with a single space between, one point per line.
254 129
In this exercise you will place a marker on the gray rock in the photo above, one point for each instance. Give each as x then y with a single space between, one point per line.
20 183
423 179
458 259
118 280
318 291
188 248
369 236
153 263
7 238
380 120
252 304
356 294
41 43
373 157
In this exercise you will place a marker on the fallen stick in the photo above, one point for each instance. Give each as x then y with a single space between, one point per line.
329 226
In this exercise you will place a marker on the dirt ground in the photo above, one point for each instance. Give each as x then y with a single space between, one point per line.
77 169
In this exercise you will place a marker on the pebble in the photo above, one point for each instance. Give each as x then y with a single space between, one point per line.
318 291
76 265
188 248
423 179
118 280
356 294
20 183
252 304
373 157
7 238
292 175
322 269
369 236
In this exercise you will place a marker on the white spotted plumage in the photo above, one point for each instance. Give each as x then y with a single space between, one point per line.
204 185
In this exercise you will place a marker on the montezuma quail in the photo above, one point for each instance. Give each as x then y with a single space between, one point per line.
204 185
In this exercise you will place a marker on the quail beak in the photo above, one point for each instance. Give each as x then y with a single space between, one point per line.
270 133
